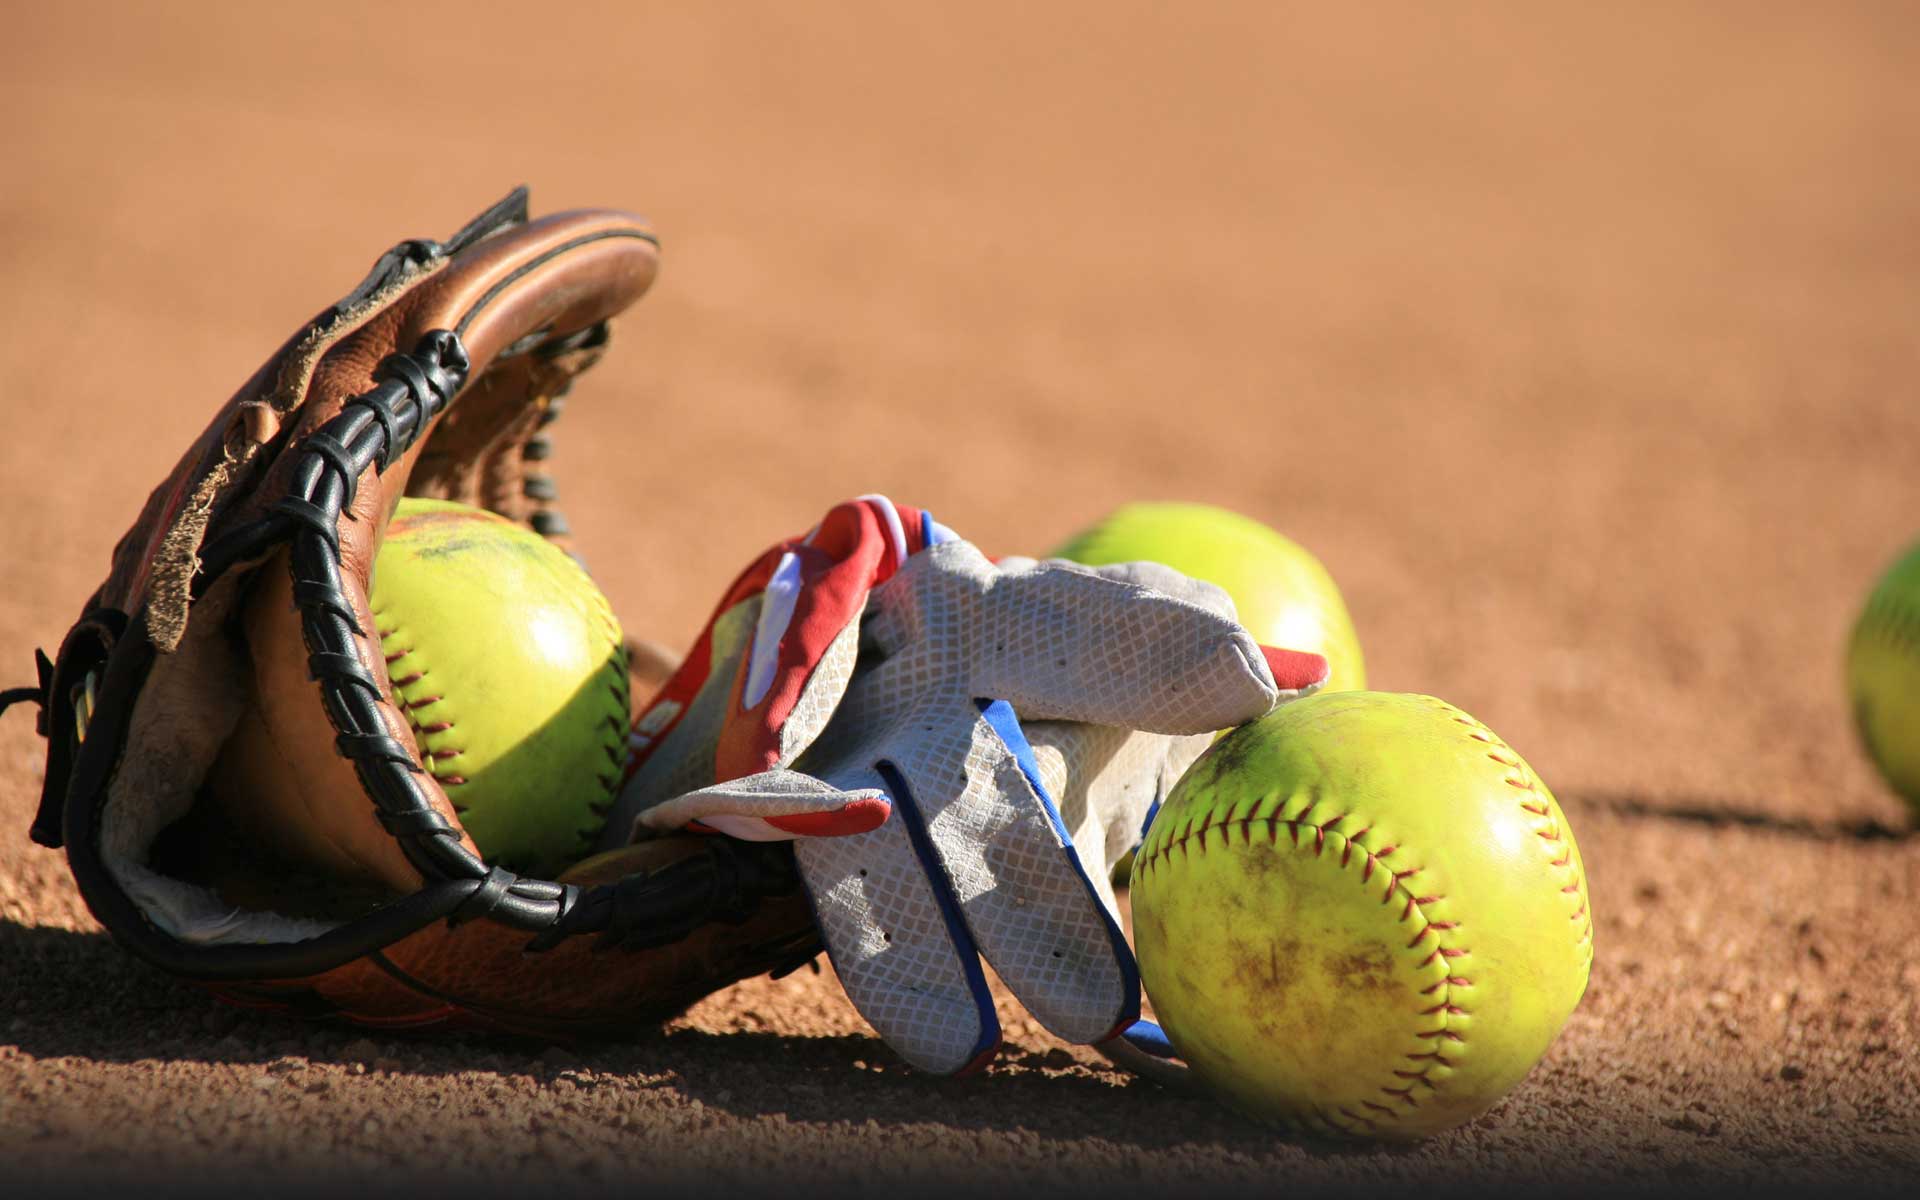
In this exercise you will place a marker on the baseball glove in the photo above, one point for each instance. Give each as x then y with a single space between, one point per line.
244 583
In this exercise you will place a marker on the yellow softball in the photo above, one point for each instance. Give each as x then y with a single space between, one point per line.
1883 676
1362 915
509 665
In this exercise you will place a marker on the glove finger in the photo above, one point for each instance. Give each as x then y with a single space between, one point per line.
1106 783
1028 906
1036 910
897 939
770 668
772 806
1065 644
808 637
1156 576
1295 672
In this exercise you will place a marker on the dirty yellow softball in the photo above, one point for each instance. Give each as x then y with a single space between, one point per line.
1362 915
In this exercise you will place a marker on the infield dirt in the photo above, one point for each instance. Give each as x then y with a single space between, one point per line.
1580 346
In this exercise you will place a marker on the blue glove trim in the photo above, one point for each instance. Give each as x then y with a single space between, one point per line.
1150 1038
1146 823
932 532
1000 718
907 811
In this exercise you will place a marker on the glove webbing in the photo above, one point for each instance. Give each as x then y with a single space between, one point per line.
538 486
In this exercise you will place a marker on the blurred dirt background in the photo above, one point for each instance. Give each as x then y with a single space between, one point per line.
1580 345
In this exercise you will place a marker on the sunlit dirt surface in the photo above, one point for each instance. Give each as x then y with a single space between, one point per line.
1581 347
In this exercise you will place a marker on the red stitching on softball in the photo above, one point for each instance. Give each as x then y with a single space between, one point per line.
1445 1007
428 758
619 686
1539 807
1890 619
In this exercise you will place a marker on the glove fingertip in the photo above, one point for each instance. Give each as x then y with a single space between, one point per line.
862 814
982 1060
1296 672
1148 1036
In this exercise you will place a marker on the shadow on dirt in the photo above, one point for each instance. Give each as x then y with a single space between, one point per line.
76 994
1043 1093
1715 813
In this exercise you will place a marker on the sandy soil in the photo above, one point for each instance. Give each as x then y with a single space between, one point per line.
1580 347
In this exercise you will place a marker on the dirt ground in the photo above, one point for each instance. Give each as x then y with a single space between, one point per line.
1580 347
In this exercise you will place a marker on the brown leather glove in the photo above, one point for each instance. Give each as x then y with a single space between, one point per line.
242 591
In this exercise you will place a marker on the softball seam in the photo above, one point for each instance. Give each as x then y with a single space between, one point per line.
1539 806
1891 618
620 685
1445 1003
614 746
430 758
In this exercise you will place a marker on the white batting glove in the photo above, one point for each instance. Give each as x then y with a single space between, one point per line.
1124 671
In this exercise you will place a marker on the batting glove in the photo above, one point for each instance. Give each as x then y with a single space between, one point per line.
857 692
